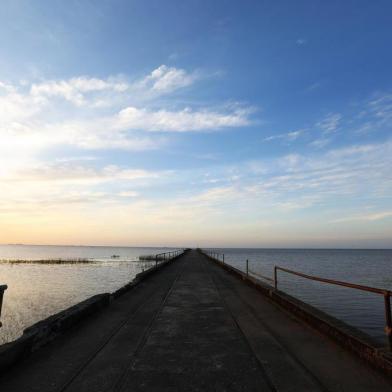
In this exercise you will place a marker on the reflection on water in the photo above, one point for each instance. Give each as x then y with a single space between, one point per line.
35 291
368 267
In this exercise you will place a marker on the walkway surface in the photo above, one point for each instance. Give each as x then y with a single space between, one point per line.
192 327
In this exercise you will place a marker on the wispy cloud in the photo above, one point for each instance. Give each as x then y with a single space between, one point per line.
301 41
313 86
288 136
185 120
321 142
330 122
76 90
298 181
72 172
375 114
375 216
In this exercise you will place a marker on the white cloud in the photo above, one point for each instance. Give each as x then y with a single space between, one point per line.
330 123
75 89
40 186
92 113
73 172
288 136
96 92
185 120
166 79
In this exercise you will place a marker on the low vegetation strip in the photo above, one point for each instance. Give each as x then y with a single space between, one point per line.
48 261
46 330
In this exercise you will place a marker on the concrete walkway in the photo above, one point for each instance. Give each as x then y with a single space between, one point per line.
192 327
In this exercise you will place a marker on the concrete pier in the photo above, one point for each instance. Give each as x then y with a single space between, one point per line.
192 326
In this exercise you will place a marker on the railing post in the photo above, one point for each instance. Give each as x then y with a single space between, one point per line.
223 259
388 320
247 267
276 278
156 260
2 289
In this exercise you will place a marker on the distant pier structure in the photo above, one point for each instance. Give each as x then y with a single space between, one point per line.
194 323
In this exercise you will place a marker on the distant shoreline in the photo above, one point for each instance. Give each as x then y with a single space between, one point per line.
205 247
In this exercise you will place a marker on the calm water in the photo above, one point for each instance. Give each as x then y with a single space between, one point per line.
368 267
36 291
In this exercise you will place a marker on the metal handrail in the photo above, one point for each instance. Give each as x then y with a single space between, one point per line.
171 255
214 255
384 292
249 271
2 289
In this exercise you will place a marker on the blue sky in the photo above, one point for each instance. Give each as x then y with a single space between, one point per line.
254 123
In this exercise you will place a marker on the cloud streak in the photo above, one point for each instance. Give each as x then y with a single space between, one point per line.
186 120
365 217
288 136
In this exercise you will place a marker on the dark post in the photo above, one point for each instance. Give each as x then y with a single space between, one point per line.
388 320
247 267
156 260
276 278
2 289
223 259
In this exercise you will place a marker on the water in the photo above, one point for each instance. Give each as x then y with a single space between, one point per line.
362 310
36 291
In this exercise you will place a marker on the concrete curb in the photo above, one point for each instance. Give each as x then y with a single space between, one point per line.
142 276
48 329
359 343
44 331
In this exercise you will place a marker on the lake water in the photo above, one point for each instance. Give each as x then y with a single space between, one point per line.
37 291
362 310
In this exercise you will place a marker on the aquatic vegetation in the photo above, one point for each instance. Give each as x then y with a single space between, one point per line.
48 261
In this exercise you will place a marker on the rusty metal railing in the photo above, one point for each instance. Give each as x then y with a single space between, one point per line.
2 289
385 293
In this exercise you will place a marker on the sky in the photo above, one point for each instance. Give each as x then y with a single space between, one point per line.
196 123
